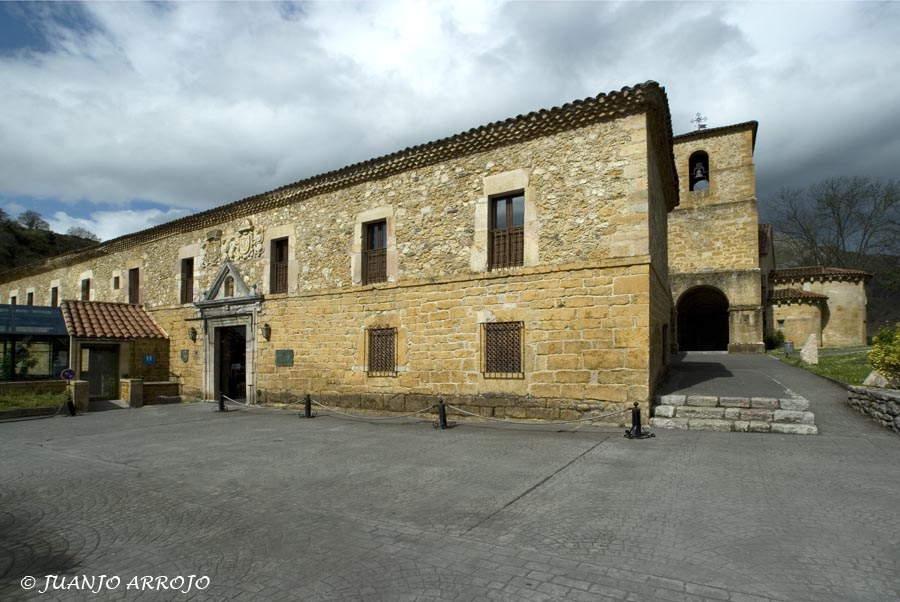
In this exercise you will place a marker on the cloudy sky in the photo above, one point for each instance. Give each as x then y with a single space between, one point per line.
119 116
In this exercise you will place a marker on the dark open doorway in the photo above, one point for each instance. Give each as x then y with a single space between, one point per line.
100 368
703 320
231 361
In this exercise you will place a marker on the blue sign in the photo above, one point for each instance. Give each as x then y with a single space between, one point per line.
67 374
149 359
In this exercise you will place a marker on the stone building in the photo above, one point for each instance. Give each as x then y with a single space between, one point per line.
538 267
715 266
827 302
518 269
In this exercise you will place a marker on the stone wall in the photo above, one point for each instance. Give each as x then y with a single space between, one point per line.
714 233
882 405
584 294
21 388
797 319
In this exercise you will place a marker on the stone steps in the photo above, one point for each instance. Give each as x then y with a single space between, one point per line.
738 414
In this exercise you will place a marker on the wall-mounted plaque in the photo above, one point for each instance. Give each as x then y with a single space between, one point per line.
284 357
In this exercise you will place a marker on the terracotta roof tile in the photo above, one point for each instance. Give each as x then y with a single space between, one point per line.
101 320
784 294
817 271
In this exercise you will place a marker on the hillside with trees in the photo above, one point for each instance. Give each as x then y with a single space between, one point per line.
29 238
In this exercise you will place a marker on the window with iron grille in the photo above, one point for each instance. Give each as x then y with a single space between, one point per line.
278 282
502 349
382 351
134 285
375 253
507 237
187 280
86 289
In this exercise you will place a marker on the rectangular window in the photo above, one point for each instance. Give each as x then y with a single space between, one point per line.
115 283
279 270
12 300
29 299
134 285
502 352
54 297
86 289
382 351
507 238
187 280
780 323
375 253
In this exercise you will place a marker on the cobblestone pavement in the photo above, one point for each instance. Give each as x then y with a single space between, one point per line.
271 507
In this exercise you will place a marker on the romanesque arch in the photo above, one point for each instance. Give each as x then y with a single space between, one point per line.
703 320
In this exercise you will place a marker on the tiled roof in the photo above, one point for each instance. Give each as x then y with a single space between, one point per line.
817 271
784 294
765 237
648 97
725 129
100 320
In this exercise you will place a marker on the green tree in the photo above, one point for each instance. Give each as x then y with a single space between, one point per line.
885 354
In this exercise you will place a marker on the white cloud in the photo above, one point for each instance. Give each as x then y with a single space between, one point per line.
112 224
198 104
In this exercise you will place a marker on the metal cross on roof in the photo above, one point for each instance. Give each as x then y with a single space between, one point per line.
699 120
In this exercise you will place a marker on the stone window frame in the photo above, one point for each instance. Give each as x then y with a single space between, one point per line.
271 235
91 289
29 295
134 286
375 363
54 296
497 328
14 297
370 230
187 280
187 252
357 257
278 270
496 186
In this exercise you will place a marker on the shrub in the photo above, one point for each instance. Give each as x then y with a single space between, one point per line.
775 340
885 356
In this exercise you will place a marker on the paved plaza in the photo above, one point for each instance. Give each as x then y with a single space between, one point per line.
269 506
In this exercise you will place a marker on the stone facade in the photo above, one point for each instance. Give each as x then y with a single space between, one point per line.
714 248
592 294
827 302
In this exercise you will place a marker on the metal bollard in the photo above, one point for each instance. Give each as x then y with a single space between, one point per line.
70 406
222 407
636 420
442 414
307 407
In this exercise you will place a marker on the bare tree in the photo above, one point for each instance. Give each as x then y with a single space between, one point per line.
33 220
849 222
82 233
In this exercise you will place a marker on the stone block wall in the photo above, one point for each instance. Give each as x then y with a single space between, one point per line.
584 294
739 414
882 405
27 387
585 343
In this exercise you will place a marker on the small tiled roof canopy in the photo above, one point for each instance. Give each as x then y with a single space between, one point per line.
818 273
99 320
791 294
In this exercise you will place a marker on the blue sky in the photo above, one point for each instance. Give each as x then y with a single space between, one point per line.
118 116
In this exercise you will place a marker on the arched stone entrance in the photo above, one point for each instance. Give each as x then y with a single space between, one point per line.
703 320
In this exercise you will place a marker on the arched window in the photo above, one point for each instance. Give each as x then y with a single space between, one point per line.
229 287
698 170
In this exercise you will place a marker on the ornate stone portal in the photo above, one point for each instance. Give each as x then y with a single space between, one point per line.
229 312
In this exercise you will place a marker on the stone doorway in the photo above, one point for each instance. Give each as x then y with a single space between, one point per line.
703 320
231 361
